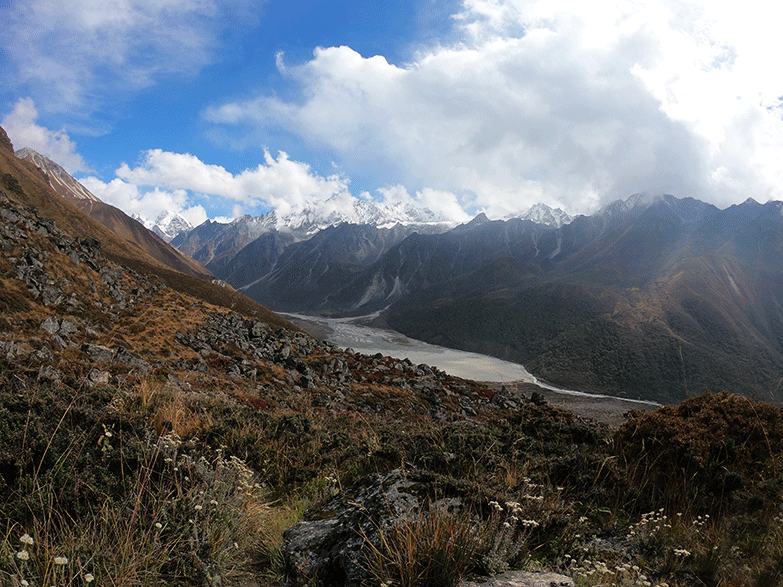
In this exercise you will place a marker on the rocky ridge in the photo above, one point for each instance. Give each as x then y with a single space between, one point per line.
59 179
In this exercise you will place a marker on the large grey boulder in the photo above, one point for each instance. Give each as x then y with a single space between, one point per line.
328 547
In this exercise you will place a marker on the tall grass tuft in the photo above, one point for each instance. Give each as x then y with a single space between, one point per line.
435 547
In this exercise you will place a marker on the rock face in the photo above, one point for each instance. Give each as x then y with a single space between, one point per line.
5 142
329 546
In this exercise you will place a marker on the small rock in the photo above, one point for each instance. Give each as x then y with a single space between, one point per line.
50 325
98 353
67 328
98 377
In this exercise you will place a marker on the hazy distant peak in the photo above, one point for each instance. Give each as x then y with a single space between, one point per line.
480 218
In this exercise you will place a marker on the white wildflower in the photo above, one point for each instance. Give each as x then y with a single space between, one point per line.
681 552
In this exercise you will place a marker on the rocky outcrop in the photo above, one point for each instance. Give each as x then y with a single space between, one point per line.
5 142
329 546
332 545
330 375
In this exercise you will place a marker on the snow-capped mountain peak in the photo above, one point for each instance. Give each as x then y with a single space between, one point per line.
543 214
167 225
307 219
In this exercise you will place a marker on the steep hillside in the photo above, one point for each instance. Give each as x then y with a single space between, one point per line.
215 244
112 218
306 274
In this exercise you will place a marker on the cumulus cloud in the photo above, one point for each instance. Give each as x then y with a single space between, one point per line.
148 204
24 131
175 181
72 54
277 183
569 103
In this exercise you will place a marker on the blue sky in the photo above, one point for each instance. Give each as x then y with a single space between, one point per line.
216 108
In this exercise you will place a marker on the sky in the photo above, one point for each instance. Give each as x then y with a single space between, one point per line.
217 108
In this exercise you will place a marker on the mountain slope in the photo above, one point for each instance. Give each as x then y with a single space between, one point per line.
26 185
308 272
215 244
113 218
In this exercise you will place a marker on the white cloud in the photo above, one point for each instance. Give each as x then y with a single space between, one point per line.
23 130
173 181
569 103
148 204
75 53
277 183
443 204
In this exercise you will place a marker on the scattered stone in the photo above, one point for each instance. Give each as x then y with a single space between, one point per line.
98 377
126 358
50 325
98 353
49 373
67 328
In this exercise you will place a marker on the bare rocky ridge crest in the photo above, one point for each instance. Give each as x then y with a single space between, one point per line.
5 142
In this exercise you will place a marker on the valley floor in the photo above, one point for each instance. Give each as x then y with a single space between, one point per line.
601 408
353 332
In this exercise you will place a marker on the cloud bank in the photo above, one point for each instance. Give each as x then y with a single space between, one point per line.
570 103
165 180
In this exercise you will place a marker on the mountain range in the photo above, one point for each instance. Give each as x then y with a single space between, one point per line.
652 297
